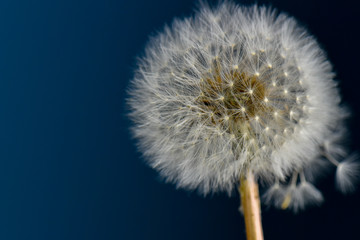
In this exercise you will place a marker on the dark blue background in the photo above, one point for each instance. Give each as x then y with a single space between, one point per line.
68 166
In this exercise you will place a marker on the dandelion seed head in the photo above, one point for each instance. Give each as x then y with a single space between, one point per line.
227 91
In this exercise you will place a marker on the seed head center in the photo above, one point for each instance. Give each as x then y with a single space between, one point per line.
238 95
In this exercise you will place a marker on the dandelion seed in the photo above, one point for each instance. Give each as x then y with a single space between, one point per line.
274 195
347 174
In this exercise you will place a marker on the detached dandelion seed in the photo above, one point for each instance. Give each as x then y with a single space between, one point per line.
240 94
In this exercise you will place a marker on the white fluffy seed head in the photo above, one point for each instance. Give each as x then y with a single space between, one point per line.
230 90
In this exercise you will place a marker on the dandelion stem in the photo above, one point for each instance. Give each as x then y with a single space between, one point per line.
249 193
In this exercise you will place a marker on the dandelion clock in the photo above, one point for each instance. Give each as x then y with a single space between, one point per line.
238 95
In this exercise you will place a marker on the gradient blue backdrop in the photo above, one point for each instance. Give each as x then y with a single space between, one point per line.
68 167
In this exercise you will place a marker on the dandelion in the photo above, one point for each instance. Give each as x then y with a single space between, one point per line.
240 93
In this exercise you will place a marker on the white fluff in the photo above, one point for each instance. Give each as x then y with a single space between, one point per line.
317 168
311 195
333 145
347 174
274 195
230 90
304 195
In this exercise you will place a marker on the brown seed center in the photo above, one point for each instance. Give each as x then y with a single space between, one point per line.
235 95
